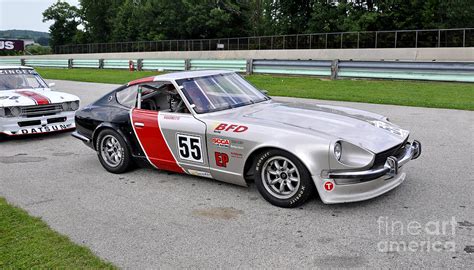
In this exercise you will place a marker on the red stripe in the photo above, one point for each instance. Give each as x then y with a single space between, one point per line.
38 98
152 140
142 80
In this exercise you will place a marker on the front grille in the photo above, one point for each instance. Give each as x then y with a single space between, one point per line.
396 151
29 123
57 120
39 110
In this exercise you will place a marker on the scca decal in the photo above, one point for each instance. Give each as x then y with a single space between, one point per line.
224 143
231 127
221 159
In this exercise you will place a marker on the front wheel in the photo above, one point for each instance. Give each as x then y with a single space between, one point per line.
113 152
282 179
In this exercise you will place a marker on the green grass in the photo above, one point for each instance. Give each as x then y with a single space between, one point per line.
94 75
408 93
27 242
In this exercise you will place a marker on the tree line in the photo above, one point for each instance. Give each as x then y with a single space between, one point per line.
153 20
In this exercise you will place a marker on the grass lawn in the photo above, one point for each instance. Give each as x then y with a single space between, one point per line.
27 242
408 93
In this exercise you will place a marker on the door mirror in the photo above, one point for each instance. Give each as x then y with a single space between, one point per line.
51 85
265 92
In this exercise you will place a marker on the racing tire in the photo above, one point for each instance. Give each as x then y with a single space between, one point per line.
113 152
282 179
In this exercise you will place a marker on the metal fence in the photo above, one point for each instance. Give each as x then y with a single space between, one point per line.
407 70
459 37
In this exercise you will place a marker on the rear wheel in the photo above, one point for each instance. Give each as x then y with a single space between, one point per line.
282 179
113 152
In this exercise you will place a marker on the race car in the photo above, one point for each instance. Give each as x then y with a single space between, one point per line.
29 106
217 125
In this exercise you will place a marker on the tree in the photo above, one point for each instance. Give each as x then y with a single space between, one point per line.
64 27
98 18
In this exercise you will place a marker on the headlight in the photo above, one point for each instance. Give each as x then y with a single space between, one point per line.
338 150
15 111
74 105
2 112
65 106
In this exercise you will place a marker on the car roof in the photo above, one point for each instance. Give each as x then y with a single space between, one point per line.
180 75
15 67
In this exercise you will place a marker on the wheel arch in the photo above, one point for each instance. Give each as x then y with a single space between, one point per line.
248 172
113 127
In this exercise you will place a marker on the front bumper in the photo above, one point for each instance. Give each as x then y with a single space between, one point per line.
15 126
351 186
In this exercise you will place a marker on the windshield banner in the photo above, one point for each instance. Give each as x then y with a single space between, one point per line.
17 71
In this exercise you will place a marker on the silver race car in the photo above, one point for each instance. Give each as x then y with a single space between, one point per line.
28 106
215 124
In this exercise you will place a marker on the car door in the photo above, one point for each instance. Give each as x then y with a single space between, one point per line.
172 141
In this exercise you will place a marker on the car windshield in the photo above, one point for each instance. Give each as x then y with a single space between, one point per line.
11 79
219 92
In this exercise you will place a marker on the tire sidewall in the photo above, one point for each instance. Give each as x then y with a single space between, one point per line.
124 163
305 190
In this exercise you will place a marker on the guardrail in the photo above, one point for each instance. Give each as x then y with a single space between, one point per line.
61 63
428 38
433 71
234 65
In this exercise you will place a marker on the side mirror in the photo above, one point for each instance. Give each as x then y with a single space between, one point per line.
265 92
51 85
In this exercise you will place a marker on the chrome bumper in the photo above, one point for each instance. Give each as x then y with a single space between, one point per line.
390 169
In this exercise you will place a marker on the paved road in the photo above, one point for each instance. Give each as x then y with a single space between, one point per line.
148 218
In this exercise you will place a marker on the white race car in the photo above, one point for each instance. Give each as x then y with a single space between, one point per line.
28 106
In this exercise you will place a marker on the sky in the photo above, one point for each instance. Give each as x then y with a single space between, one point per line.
26 14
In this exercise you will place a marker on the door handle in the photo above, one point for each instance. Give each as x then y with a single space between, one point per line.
138 124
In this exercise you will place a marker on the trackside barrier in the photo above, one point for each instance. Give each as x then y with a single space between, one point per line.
57 63
85 63
432 71
118 64
297 67
163 64
10 62
234 65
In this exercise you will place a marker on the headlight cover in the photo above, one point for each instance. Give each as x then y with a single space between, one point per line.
2 112
347 155
74 105
65 106
338 150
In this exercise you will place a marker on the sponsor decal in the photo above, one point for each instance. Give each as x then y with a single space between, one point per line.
44 129
199 173
224 143
12 45
236 155
171 117
390 128
221 159
230 128
328 186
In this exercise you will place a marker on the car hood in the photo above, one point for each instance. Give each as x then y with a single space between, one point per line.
367 130
29 97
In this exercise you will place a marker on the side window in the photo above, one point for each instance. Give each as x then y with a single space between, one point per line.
128 96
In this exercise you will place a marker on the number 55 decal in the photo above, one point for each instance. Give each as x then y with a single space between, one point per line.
189 147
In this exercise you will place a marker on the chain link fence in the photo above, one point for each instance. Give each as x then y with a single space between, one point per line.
459 37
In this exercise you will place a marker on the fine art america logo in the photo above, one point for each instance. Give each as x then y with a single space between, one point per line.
415 236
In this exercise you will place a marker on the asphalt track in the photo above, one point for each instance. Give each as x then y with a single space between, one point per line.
150 219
